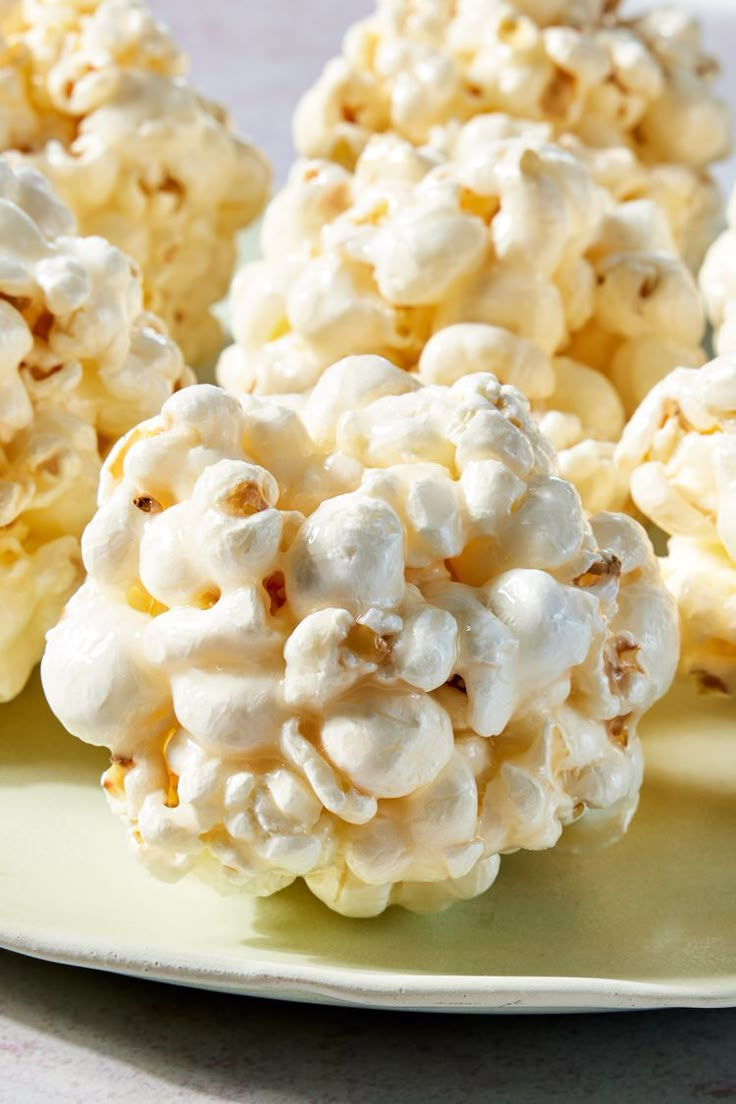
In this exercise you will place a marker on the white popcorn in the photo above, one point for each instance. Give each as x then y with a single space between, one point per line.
680 451
689 197
373 644
718 284
501 254
95 99
640 88
80 362
463 349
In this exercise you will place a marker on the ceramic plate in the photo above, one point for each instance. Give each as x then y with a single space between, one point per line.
648 923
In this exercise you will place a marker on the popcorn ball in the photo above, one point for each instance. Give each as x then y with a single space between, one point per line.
640 83
501 254
80 362
718 283
680 448
373 644
92 94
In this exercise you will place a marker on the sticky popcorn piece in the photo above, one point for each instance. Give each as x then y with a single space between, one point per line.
80 362
718 284
680 450
95 97
501 253
373 643
638 84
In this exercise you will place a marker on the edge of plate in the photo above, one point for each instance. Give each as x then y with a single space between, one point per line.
373 989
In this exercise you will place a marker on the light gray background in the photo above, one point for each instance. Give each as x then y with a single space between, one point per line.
71 1036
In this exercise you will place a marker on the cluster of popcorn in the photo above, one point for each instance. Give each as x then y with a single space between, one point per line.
680 448
91 93
718 284
642 85
80 363
502 253
373 643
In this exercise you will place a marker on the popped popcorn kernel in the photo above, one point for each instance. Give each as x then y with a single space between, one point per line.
415 652
718 284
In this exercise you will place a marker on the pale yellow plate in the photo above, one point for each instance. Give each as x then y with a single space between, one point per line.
648 923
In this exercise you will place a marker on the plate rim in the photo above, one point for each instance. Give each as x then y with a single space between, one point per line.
379 989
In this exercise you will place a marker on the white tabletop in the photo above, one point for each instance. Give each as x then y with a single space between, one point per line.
72 1036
